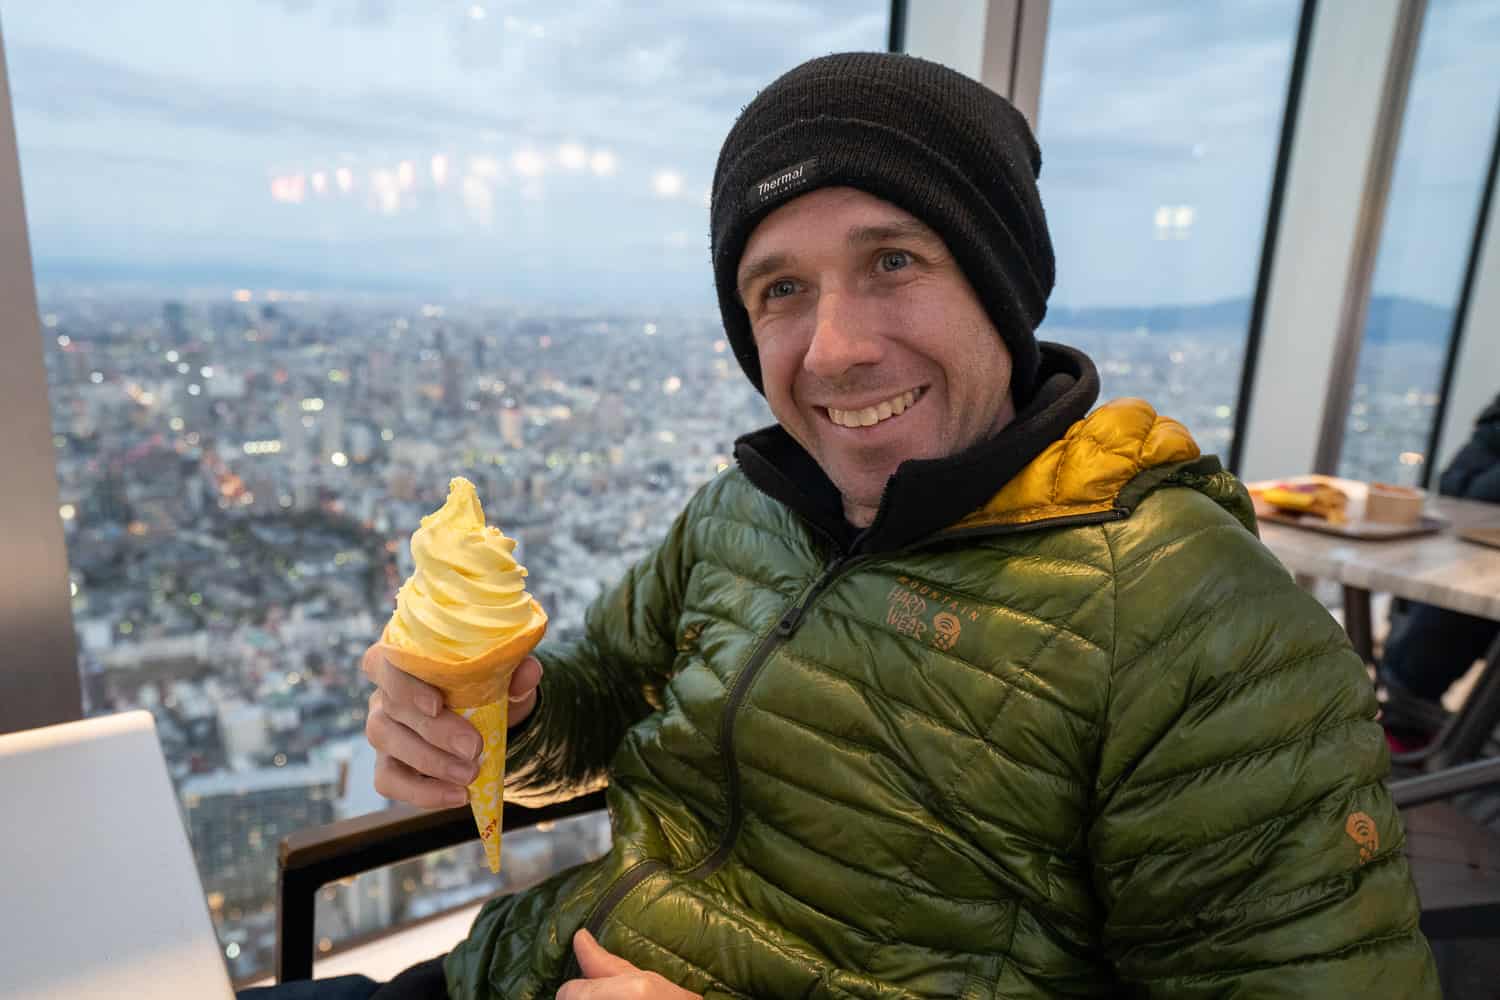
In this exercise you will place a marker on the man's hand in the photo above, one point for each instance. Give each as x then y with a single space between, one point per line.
609 977
426 754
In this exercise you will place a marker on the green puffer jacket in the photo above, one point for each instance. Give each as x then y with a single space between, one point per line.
1089 740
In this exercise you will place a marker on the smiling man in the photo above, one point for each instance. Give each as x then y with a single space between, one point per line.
953 688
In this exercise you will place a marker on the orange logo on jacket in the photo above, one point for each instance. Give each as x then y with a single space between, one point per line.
946 626
1361 828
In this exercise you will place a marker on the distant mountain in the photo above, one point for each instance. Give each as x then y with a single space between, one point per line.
1391 318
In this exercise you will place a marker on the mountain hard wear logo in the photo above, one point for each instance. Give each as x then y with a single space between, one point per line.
946 628
1361 829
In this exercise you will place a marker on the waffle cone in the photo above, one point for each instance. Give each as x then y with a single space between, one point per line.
478 689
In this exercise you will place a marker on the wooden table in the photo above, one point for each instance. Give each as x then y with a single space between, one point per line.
1441 570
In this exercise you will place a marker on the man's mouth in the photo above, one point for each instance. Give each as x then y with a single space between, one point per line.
869 416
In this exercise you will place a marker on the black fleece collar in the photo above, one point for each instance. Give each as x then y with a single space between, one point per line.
925 495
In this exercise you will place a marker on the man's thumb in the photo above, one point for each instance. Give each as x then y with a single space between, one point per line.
596 963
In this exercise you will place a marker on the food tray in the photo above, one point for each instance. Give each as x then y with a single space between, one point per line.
1362 530
1356 527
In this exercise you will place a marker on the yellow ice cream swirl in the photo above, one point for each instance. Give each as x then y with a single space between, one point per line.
467 593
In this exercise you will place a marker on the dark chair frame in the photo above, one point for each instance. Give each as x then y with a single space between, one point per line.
312 858
1459 898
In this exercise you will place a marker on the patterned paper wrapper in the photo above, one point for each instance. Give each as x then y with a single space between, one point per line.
478 690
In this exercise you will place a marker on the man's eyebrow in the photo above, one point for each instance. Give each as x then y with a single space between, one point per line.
910 229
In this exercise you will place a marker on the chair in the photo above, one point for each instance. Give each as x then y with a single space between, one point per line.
312 858
1455 860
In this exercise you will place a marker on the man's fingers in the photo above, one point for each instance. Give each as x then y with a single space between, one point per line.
596 963
523 688
400 687
524 681
395 780
449 732
391 737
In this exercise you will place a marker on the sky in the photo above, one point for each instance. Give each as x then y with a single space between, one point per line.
561 153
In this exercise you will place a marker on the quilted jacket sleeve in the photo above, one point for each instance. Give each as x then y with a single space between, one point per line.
595 689
1243 842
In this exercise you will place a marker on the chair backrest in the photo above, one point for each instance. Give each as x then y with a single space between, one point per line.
102 897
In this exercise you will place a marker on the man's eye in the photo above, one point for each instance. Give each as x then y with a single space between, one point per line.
781 289
894 260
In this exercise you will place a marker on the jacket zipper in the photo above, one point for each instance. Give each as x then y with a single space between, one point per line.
786 626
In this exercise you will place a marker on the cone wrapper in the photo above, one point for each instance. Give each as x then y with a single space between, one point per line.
478 689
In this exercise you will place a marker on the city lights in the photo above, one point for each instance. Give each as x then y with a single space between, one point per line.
528 163
603 163
667 184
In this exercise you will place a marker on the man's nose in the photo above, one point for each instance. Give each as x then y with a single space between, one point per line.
842 338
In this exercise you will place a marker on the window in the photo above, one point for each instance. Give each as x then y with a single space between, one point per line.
1448 127
1159 125
300 263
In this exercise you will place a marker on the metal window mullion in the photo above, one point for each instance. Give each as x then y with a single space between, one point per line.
39 682
1476 357
1274 204
896 27
1464 334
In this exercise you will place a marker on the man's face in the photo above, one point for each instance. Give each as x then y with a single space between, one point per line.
873 346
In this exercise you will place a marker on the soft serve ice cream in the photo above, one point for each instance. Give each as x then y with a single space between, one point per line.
463 622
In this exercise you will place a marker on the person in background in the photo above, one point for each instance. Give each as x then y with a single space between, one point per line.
1431 648
956 686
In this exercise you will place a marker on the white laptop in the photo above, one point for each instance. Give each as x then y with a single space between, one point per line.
99 895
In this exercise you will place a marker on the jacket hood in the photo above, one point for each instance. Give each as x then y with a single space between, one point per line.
1091 468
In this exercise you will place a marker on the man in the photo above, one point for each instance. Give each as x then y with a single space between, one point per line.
950 689
1432 647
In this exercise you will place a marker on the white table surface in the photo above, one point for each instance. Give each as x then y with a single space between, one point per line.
1441 569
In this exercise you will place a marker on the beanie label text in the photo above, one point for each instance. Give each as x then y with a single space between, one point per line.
783 182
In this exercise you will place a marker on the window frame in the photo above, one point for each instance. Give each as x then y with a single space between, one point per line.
39 682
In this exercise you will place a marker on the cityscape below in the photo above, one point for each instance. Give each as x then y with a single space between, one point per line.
240 473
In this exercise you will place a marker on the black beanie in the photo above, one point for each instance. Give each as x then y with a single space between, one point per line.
926 138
